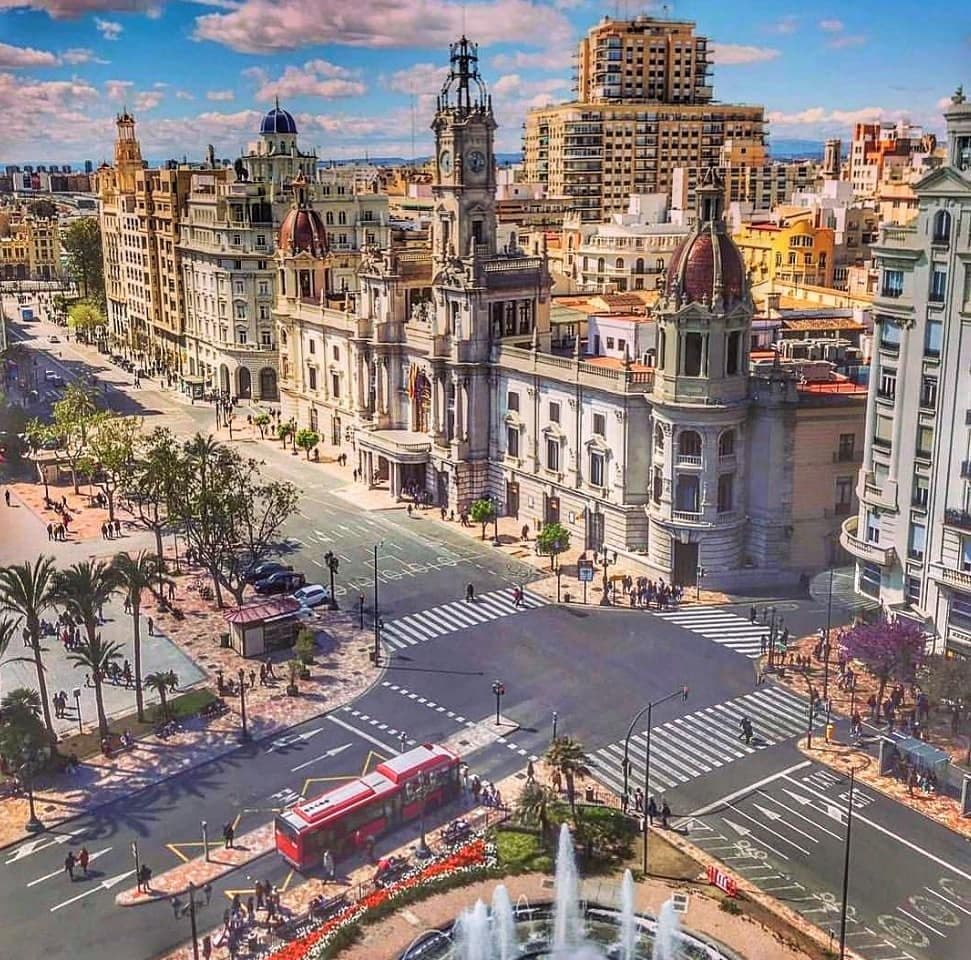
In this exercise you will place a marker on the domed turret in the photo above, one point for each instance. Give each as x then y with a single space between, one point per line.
278 121
708 267
302 230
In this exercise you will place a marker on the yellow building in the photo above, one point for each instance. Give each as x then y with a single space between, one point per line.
30 247
792 250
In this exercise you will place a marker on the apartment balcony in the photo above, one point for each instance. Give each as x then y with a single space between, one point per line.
688 460
959 640
870 552
951 576
687 516
961 519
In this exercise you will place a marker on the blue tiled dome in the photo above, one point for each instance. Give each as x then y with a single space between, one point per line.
278 120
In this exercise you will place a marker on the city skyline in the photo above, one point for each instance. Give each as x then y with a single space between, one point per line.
366 81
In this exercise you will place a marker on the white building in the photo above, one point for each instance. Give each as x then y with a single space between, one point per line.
912 537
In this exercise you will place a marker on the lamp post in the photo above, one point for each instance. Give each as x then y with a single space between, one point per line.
243 733
699 573
77 707
205 839
333 565
403 740
812 713
376 654
846 864
499 689
33 824
495 522
180 911
556 717
829 626
605 562
771 614
360 609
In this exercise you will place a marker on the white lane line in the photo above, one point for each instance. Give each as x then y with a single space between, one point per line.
923 923
392 751
54 873
956 906
880 829
796 813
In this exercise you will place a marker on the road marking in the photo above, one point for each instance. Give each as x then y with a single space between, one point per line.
35 846
744 831
54 873
104 885
392 751
796 813
906 913
283 742
956 906
330 753
876 826
775 817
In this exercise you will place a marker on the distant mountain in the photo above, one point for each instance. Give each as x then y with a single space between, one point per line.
783 149
503 158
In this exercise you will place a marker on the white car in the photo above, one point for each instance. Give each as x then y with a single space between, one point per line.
312 595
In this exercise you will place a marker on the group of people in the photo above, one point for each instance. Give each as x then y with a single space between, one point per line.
59 531
644 593
635 799
72 861
480 791
110 529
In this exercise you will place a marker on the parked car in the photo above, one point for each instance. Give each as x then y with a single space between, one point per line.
54 379
312 595
283 581
264 569
55 339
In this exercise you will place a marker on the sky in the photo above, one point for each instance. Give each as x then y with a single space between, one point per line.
362 77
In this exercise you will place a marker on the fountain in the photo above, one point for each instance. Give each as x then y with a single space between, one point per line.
565 929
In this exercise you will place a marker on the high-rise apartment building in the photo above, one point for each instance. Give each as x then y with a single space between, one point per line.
645 107
886 151
912 536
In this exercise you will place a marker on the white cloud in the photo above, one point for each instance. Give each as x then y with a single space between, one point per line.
260 26
819 122
847 40
831 26
731 54
785 25
183 95
109 29
420 78
13 57
148 100
117 89
220 95
77 55
555 58
316 78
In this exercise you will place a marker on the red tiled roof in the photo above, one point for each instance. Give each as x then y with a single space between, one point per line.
260 610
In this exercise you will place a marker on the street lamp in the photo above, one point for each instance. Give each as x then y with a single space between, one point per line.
681 692
333 565
829 626
771 614
605 562
77 707
180 911
499 689
403 740
556 717
376 654
846 864
244 733
33 825
495 521
205 839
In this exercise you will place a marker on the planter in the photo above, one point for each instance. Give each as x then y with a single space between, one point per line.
292 690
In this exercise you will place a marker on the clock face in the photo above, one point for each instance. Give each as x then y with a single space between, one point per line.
445 162
476 161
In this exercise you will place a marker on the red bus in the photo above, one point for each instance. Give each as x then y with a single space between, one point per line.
342 819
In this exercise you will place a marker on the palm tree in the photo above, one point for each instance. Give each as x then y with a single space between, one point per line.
27 590
7 627
161 682
96 656
22 700
24 740
535 805
135 575
567 756
84 588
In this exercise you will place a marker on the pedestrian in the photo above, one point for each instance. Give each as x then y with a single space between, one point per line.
50 531
252 679
665 814
269 669
207 892
83 858
117 528
151 627
517 597
228 834
525 532
753 614
828 731
530 773
262 674
250 910
258 890
638 800
651 811
6 496
69 862
765 643
330 870
369 844
145 878
469 593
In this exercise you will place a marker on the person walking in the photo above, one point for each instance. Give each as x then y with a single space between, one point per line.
753 614
6 497
228 834
151 627
469 593
69 861
651 811
50 531
83 859
665 814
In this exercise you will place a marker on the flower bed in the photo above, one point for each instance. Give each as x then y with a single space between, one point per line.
470 861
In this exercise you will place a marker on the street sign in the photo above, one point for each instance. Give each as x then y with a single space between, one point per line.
585 571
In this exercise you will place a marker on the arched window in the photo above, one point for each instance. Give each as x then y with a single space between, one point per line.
619 263
601 265
942 227
639 265
658 437
726 444
689 445
329 218
342 218
659 265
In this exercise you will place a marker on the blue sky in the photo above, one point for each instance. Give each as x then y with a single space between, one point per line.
363 77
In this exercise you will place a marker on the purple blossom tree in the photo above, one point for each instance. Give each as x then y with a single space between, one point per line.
889 649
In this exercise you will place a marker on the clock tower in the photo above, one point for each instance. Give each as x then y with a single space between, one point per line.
465 183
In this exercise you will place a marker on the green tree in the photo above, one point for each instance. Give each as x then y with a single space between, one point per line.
567 756
232 516
135 575
42 209
24 740
537 804
159 468
110 453
26 589
161 682
482 511
284 431
261 421
307 440
84 318
946 679
81 242
553 539
74 417
84 588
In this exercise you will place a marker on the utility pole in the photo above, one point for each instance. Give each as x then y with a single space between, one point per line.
846 864
376 655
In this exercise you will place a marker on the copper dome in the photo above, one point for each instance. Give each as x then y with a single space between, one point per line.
707 266
303 231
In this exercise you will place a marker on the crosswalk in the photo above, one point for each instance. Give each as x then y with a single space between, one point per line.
720 626
695 744
450 617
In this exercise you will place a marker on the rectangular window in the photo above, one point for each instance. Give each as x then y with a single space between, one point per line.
938 285
599 425
893 284
928 392
925 441
726 493
889 336
312 377
847 444
933 335
512 401
312 346
872 527
335 385
552 454
733 361
870 579
265 338
961 611
512 441
916 541
844 496
921 491
883 432
241 336
597 469
610 343
888 385
238 285
693 345
554 413
966 554
912 587
260 240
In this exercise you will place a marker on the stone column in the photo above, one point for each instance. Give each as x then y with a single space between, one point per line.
378 385
436 405
459 410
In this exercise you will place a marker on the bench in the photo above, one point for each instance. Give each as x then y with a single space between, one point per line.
323 908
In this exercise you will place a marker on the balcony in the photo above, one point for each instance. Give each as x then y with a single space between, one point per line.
951 576
959 639
958 518
688 460
870 552
686 516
